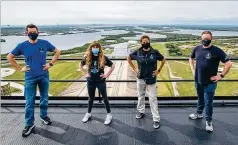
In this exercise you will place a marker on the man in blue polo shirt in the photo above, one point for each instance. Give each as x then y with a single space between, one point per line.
207 57
36 73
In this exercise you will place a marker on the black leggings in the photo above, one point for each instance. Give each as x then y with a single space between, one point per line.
91 92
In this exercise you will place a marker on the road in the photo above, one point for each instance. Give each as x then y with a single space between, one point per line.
174 84
121 72
113 89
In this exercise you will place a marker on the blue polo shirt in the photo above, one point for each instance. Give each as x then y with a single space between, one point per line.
207 62
35 56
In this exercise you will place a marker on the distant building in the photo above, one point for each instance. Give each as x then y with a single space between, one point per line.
44 34
132 42
108 47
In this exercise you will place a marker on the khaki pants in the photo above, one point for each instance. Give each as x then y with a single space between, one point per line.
143 90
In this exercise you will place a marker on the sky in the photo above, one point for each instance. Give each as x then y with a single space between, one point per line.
118 12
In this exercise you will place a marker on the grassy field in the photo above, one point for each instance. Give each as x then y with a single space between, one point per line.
182 69
159 47
228 45
228 88
15 90
62 70
164 88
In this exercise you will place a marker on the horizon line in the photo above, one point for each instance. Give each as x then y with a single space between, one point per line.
123 24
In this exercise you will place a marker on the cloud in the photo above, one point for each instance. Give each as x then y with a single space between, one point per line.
82 12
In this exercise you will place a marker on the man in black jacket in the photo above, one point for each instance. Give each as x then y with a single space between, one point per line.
146 58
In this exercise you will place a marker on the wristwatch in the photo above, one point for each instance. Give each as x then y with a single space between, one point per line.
51 64
222 76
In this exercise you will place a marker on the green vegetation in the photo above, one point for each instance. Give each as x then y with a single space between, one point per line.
51 30
164 88
194 27
159 47
182 69
228 88
175 37
109 51
173 50
16 75
15 90
185 48
63 70
176 45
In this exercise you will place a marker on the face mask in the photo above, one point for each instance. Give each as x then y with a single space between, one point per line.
32 36
206 42
146 45
95 51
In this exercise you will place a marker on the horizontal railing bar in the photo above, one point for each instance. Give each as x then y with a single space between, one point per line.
119 81
120 105
121 98
73 59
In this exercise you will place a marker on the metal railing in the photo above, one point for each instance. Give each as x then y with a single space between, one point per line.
119 81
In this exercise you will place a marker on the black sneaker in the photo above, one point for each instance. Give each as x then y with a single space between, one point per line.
27 130
156 124
140 115
46 120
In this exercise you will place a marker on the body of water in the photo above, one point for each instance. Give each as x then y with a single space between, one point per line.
151 35
199 32
113 32
65 42
62 42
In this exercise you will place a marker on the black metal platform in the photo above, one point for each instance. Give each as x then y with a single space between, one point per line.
67 127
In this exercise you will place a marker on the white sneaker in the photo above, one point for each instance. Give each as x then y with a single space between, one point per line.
209 127
195 116
108 119
86 117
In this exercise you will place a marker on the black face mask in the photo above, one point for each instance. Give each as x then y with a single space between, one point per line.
33 36
146 45
206 42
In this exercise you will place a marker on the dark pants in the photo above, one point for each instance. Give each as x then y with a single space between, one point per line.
30 93
91 92
205 99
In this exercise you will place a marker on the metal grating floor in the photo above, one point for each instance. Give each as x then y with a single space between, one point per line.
67 128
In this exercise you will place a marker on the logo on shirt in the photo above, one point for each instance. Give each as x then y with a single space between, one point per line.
226 57
151 56
208 55
95 68
41 49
